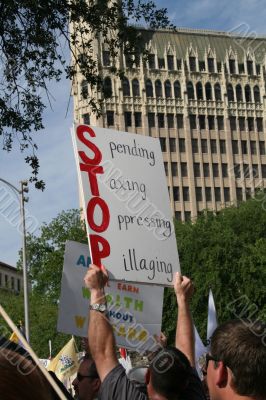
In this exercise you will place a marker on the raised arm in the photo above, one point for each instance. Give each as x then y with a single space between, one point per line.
100 334
185 339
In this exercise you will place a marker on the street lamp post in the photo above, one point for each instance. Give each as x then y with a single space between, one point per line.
23 189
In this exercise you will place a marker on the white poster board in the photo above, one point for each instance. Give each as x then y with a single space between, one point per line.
126 204
135 311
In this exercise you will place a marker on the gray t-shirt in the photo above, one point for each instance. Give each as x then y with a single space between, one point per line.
116 386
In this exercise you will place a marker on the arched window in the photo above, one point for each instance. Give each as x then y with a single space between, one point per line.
230 92
217 91
84 89
158 88
177 90
107 87
199 91
239 94
168 89
248 94
190 91
256 92
126 87
135 87
208 91
149 88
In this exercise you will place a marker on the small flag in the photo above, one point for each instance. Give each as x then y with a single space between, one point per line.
14 338
212 318
65 364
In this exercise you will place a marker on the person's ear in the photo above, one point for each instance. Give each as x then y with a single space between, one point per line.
148 376
221 375
96 384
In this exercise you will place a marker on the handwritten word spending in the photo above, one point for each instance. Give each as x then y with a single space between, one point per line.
100 247
134 150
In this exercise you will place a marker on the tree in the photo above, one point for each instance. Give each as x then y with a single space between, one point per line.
227 253
32 38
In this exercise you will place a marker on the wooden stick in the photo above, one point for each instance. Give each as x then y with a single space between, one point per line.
31 353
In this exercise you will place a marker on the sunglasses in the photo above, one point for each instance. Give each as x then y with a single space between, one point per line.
208 358
81 377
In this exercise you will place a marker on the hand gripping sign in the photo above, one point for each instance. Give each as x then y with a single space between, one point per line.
126 204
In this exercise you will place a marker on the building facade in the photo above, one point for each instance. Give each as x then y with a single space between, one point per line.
202 93
10 278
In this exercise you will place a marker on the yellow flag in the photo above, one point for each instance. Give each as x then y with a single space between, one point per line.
13 338
65 363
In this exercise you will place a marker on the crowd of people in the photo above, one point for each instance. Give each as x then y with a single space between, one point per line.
234 369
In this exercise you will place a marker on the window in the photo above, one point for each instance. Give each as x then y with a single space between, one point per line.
158 88
206 170
195 147
199 91
135 87
248 193
257 69
196 168
192 63
262 148
198 193
163 144
110 118
160 120
208 91
250 124
12 283
239 194
128 118
208 193
106 58
185 193
202 121
170 121
151 120
168 89
211 122
184 169
215 170
241 68
220 122
166 168
256 92
250 67
187 216
18 285
149 88
172 144
259 124
202 65
192 121
244 147
263 171
177 90
178 215
255 170
232 66
219 66
242 123
182 145
224 171
239 94
190 91
151 60
161 63
107 87
222 147
170 62
86 119
237 171
235 146
137 116
178 64
176 193
210 64
213 146
253 147
246 171
204 146
226 194
230 92
126 87
217 194
174 169
84 89
179 121
232 123
129 60
248 93
217 92
6 280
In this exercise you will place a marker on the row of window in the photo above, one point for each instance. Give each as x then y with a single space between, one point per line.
238 171
10 282
255 147
199 195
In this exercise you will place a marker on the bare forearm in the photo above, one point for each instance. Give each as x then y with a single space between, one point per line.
185 340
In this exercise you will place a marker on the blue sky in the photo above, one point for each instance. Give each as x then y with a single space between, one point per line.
55 148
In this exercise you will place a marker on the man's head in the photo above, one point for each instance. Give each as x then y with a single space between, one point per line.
168 374
237 363
87 383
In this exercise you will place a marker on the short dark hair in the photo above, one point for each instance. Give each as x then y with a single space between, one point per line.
92 368
170 372
241 346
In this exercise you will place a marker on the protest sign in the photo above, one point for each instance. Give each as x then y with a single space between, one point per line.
126 204
135 311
